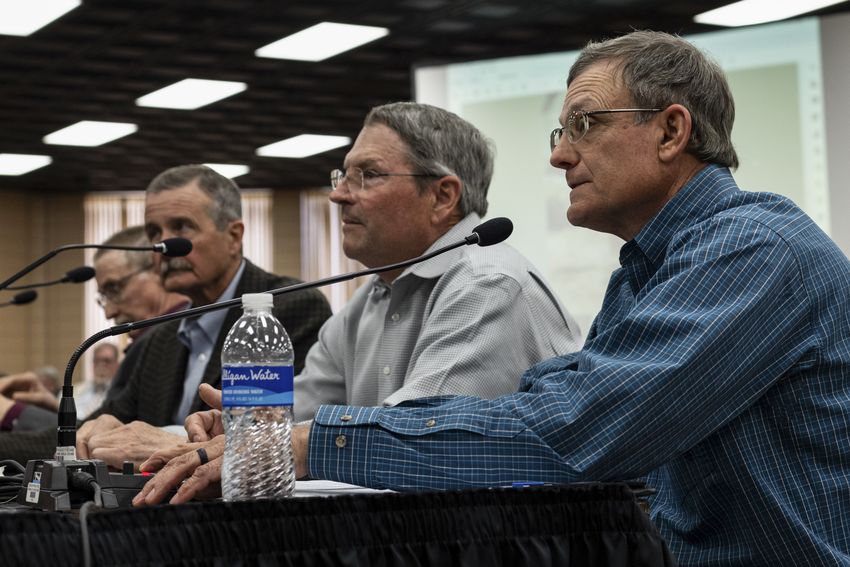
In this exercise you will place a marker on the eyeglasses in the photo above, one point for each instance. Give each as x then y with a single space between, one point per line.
111 291
578 124
357 179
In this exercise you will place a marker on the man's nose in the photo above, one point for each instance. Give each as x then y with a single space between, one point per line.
564 155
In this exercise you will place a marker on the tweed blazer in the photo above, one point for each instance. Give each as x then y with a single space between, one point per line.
158 363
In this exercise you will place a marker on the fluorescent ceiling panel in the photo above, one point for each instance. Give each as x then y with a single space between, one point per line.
90 133
229 170
750 12
303 146
18 164
23 18
190 94
321 41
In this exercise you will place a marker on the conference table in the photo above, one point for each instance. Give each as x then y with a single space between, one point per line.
330 524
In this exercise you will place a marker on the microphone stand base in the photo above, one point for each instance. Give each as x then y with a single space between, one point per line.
47 485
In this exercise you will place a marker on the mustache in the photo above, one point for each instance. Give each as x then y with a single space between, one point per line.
173 264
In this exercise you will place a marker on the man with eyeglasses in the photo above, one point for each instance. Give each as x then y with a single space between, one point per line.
718 367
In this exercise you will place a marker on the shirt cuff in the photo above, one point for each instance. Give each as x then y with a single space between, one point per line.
340 445
8 423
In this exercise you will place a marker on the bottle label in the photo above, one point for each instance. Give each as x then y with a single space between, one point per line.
257 386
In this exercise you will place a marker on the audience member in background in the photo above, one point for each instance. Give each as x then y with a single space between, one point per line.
718 367
196 203
91 394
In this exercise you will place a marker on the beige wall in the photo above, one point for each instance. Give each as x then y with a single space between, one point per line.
286 215
48 330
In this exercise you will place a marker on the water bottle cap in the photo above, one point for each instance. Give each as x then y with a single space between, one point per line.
257 300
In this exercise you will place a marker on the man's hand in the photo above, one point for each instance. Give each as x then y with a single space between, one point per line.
133 442
204 425
27 388
91 428
200 480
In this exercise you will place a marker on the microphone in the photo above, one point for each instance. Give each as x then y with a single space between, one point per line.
487 233
169 247
22 298
77 275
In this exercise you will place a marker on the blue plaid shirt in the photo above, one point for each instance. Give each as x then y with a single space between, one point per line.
718 368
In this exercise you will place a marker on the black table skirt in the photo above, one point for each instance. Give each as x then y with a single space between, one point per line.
537 527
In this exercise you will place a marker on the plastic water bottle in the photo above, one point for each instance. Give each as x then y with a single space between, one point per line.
257 395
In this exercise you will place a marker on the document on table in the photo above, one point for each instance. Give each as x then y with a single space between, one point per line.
330 488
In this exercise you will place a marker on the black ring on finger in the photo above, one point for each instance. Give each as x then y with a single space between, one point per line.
202 453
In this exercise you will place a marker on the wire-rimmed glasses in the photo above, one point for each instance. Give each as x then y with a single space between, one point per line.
357 179
578 124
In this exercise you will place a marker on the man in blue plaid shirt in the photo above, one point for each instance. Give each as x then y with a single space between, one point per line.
718 367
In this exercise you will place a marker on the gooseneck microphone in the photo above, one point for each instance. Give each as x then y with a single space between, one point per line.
21 298
169 247
77 275
487 233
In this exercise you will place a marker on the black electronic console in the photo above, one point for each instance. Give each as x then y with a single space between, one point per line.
58 486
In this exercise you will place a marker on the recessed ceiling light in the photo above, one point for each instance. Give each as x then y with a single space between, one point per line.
229 170
90 133
321 41
750 12
190 94
23 18
18 164
303 146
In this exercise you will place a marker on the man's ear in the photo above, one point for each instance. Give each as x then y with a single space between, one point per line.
676 128
235 230
446 193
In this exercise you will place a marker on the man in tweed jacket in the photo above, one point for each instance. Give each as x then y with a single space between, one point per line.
197 203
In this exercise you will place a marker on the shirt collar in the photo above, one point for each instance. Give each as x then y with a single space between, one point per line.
694 202
210 323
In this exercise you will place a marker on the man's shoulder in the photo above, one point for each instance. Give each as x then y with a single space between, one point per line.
257 280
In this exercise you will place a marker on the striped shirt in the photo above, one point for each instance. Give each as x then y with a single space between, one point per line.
718 368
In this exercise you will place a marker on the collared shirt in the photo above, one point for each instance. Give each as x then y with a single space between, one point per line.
718 366
465 322
198 334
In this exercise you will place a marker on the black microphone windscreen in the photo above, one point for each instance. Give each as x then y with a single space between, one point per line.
81 274
24 297
174 247
493 231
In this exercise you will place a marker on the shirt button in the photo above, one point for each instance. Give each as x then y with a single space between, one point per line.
386 370
202 357
341 441
431 422
345 417
395 317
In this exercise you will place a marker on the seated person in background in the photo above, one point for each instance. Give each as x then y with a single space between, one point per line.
718 367
196 203
91 393
129 289
466 322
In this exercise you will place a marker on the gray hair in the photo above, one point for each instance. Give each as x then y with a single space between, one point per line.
223 192
130 236
441 142
660 69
